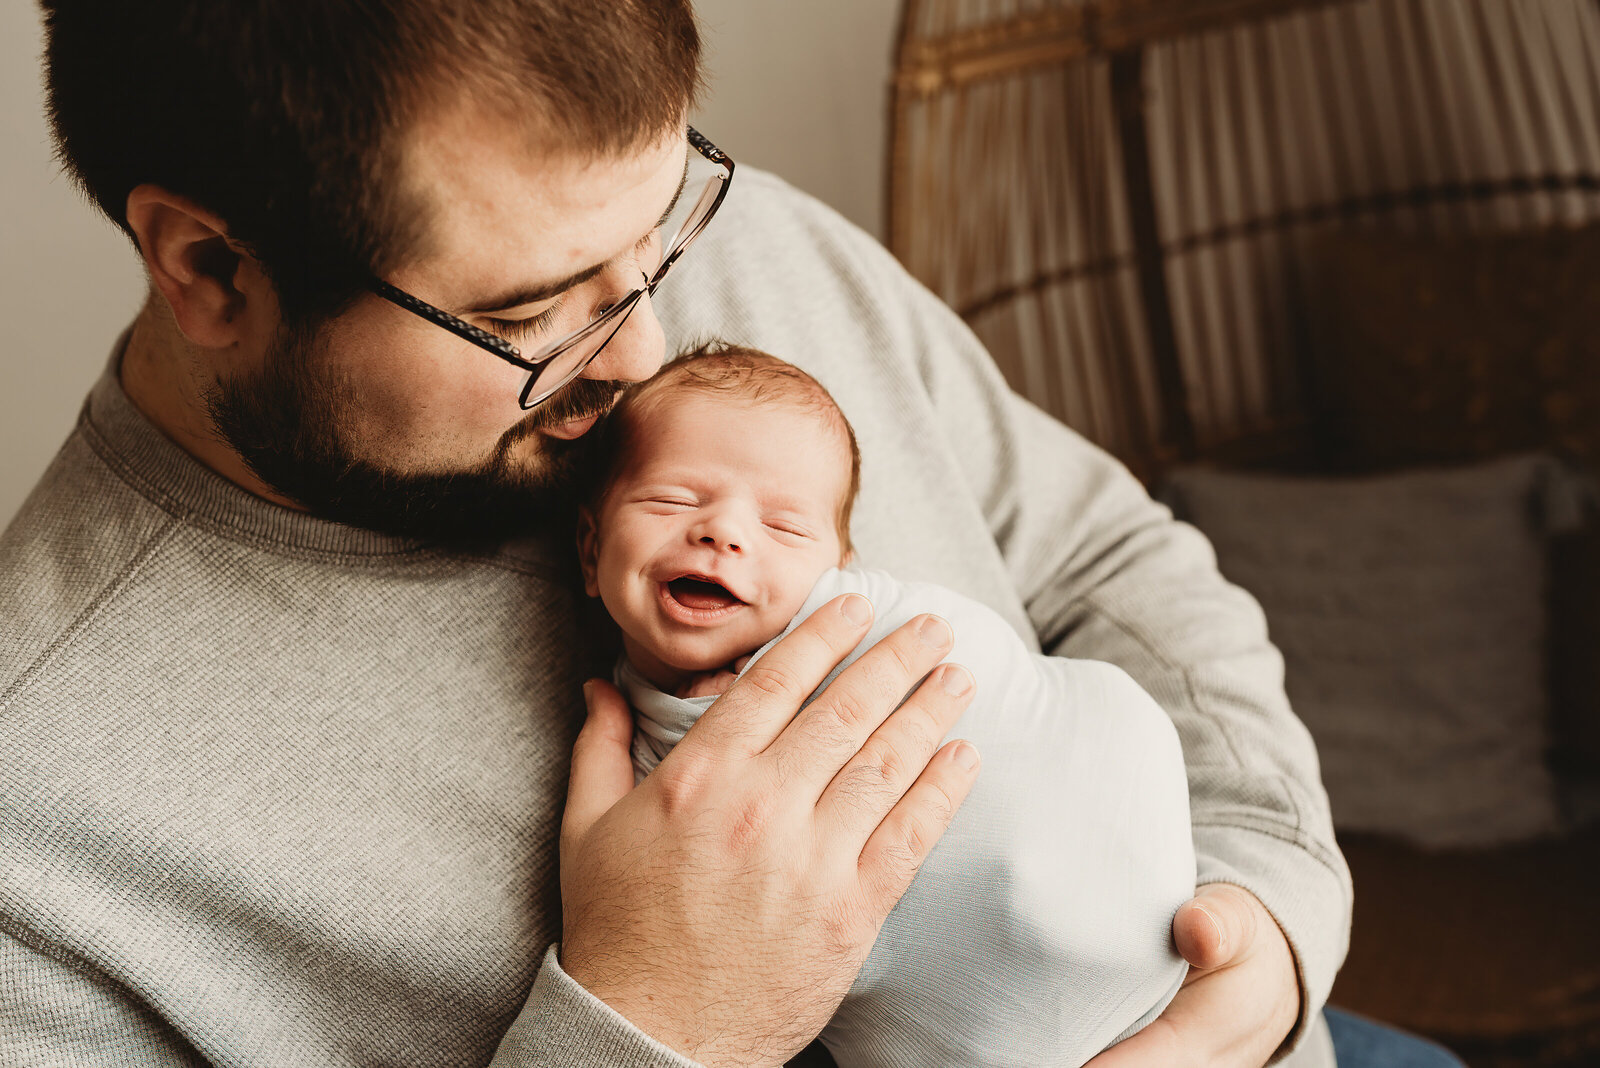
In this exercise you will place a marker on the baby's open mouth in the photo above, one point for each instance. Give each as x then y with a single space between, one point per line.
700 593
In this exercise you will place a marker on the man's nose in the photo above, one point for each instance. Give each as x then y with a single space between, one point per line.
635 351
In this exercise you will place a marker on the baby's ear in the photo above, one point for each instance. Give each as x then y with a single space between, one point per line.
848 559
588 551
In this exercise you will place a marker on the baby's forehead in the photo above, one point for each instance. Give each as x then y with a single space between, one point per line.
679 428
803 415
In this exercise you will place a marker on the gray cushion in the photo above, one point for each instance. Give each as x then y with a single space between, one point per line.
1411 612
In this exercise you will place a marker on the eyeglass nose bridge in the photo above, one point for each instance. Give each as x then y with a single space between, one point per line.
632 294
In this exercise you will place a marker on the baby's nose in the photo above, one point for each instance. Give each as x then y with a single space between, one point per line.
718 541
720 532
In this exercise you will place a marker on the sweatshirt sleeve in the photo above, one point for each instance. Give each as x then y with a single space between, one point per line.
564 1026
1107 574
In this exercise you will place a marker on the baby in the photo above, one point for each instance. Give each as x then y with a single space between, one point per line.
1038 932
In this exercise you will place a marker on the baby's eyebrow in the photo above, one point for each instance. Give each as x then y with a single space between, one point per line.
791 504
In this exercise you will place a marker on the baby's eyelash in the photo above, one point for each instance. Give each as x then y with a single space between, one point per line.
521 328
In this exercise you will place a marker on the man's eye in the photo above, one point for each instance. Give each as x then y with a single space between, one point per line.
521 328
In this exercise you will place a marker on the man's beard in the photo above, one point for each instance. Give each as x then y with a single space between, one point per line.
290 422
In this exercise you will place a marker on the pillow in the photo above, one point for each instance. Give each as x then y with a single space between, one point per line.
1452 348
1411 612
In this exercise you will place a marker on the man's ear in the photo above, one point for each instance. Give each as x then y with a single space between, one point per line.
589 551
206 277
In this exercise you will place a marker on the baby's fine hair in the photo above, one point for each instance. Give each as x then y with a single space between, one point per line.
720 367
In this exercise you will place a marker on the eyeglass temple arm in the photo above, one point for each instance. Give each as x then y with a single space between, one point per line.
707 149
458 327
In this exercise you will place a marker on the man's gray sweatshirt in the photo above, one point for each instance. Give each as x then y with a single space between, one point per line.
276 791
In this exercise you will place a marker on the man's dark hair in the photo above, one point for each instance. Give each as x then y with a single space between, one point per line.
286 118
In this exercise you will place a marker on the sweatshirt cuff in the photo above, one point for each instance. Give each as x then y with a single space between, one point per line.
564 1026
1310 897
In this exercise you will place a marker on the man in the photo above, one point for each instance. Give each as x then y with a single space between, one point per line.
292 656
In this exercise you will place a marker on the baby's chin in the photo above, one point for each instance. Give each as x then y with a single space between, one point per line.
695 657
668 664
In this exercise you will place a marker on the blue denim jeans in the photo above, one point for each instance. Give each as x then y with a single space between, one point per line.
1362 1043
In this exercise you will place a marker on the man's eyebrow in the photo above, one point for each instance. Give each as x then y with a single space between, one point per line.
535 293
545 290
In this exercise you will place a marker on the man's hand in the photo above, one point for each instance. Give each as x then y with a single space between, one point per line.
726 904
1240 999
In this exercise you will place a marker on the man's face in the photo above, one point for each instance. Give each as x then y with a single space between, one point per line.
721 520
382 419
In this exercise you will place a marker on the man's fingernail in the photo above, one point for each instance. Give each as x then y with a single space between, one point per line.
1216 925
588 691
856 608
956 680
966 756
935 632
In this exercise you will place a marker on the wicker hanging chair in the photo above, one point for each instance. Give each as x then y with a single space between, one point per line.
1126 199
1142 206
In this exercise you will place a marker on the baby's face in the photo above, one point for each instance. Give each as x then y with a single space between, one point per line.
715 530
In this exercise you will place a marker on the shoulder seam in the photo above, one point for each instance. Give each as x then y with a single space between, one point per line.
1094 604
106 594
30 940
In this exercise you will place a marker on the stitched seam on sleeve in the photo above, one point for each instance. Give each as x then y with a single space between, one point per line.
79 966
1139 637
107 594
1269 829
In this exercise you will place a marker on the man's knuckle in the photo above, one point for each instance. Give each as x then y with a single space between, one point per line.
894 676
680 781
915 841
878 769
917 731
940 805
848 709
886 765
773 681
855 788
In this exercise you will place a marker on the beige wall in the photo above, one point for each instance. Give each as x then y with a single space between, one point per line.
795 88
801 89
68 279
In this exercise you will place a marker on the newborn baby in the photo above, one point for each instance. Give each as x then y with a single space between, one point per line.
1038 932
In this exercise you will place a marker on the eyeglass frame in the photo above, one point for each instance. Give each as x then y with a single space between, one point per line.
616 313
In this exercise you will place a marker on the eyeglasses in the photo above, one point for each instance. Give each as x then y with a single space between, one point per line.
553 365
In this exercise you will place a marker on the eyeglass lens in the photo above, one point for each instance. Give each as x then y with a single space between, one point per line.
683 224
566 365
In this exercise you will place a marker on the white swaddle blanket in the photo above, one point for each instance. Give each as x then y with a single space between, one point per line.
1039 930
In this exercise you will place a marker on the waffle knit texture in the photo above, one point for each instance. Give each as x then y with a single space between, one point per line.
276 791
